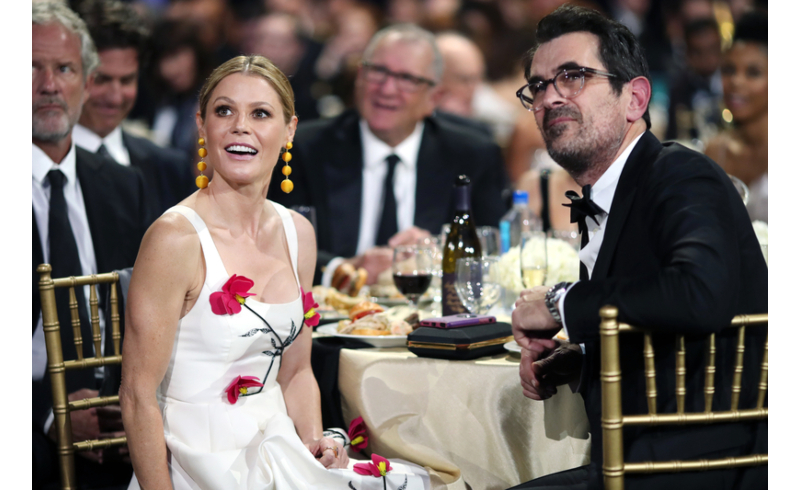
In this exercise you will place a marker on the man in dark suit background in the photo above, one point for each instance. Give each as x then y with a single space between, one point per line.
121 40
666 239
344 166
89 216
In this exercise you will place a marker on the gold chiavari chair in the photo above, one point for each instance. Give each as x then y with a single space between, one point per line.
613 420
57 366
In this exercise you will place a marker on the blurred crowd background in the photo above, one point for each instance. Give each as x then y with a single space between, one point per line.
318 44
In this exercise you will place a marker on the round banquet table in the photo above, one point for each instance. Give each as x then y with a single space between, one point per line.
467 421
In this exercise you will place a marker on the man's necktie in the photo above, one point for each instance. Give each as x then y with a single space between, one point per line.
65 262
103 151
388 224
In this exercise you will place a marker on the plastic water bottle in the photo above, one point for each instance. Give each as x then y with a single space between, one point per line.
517 220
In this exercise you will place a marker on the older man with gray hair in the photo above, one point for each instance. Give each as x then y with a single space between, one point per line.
383 174
89 216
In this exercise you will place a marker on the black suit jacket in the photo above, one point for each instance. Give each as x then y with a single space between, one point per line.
326 171
167 172
679 255
118 216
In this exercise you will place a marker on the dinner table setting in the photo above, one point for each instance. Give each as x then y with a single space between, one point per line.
455 407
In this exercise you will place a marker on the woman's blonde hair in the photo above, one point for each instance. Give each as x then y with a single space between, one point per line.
251 65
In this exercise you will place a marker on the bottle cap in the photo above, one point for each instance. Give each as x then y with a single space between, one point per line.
520 197
462 180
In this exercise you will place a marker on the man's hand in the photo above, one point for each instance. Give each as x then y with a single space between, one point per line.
409 236
374 261
531 319
548 364
85 424
110 419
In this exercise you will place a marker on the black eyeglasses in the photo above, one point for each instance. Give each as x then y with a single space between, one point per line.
405 81
568 84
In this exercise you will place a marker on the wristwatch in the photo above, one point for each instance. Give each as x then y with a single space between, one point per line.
552 297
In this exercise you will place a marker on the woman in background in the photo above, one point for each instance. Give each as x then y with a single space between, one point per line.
742 150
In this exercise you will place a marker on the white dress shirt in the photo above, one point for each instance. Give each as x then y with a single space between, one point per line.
76 212
603 195
373 174
90 141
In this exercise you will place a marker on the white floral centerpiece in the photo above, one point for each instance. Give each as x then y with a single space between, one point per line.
762 233
562 264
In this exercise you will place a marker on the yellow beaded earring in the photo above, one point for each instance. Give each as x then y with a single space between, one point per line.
201 181
287 185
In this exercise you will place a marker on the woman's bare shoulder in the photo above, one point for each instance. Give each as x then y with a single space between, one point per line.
170 238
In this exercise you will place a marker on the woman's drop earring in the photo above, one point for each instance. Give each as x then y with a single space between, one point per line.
201 181
287 185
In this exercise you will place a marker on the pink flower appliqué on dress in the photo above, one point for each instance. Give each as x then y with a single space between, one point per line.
239 387
309 312
379 467
358 434
230 300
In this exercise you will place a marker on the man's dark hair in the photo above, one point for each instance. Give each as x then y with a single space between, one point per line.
115 25
699 25
620 52
752 28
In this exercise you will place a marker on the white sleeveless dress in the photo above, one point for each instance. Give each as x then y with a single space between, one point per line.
251 444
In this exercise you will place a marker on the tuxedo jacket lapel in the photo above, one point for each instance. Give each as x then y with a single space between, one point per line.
435 176
645 150
343 176
92 179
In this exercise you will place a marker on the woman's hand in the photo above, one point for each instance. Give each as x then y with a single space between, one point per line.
329 452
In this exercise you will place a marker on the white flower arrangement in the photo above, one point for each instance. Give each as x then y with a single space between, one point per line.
762 233
563 264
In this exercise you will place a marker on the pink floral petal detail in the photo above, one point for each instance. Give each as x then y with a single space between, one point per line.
366 469
225 301
376 459
240 382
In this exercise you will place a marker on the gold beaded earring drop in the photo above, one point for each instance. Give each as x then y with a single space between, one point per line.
287 185
201 181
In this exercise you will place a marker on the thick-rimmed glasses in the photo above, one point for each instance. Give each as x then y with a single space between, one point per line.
568 84
405 81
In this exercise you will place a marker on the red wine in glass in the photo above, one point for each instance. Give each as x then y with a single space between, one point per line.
412 286
412 271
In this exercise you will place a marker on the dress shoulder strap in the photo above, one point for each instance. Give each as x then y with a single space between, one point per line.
215 269
291 235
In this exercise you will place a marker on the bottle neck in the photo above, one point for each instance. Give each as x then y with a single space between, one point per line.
462 198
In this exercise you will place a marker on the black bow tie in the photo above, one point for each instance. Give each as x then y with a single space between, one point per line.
582 207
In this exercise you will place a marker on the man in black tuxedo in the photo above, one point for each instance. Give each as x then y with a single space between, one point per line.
344 166
121 39
666 239
89 216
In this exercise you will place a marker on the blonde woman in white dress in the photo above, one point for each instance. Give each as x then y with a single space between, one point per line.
218 391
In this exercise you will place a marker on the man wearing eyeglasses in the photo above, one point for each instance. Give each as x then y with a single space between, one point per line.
383 174
665 238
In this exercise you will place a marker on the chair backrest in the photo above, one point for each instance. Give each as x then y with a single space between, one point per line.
613 420
57 366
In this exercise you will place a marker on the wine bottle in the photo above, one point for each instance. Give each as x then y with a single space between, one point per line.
462 241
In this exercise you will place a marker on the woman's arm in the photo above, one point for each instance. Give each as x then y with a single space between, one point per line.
300 389
168 270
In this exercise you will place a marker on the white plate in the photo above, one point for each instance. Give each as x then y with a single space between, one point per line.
513 346
373 340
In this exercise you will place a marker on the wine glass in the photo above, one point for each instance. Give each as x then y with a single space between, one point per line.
478 283
412 271
533 258
434 244
489 237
